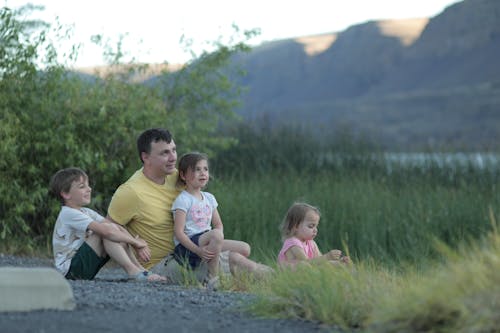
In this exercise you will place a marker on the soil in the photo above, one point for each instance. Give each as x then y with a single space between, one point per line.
110 303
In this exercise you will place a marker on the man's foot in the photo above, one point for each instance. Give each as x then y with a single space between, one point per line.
146 276
263 271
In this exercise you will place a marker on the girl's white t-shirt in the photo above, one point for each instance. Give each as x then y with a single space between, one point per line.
198 212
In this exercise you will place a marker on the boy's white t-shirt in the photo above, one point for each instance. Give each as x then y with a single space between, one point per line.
69 234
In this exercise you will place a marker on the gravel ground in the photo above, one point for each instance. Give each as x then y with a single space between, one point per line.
111 304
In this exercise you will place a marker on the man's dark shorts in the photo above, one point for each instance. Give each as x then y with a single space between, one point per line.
184 257
85 264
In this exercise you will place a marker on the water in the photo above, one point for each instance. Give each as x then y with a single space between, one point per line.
482 161
450 160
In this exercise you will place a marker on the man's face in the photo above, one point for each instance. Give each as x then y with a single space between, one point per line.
162 158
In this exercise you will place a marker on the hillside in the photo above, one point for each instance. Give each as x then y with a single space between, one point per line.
404 83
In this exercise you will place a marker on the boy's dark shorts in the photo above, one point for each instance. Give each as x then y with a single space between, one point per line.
85 264
185 257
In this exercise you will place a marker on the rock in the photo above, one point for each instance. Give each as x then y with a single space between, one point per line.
27 289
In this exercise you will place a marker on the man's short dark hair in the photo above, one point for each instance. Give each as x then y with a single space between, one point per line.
149 136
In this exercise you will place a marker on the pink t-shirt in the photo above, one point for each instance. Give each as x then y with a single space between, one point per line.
308 246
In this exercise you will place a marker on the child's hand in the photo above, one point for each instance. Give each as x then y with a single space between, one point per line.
205 253
140 243
334 254
346 260
142 249
144 254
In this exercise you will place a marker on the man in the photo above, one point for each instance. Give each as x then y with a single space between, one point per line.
143 205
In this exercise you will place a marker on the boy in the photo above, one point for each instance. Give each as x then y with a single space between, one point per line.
83 241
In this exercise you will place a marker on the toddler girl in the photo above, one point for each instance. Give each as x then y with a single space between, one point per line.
298 230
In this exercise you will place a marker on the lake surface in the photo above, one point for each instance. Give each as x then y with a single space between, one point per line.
484 161
479 160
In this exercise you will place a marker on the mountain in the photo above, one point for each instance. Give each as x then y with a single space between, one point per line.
403 83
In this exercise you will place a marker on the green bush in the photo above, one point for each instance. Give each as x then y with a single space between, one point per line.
51 118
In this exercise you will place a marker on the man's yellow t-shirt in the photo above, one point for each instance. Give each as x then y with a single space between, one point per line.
144 208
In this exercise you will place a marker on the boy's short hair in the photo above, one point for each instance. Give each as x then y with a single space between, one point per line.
61 181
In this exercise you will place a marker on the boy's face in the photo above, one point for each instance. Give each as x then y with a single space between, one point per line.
79 194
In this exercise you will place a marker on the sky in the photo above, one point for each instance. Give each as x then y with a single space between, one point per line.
152 29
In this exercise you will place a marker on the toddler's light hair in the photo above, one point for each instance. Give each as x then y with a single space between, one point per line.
294 216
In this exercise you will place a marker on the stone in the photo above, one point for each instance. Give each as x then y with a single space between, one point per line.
28 289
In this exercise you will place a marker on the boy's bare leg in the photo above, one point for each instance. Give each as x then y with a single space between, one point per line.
95 242
129 249
118 252
123 255
133 259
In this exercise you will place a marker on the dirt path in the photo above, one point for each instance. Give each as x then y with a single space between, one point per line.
110 304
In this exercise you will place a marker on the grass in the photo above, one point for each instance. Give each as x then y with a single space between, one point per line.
424 243
417 238
461 294
390 219
314 294
390 216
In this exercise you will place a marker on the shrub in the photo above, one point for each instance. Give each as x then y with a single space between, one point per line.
51 118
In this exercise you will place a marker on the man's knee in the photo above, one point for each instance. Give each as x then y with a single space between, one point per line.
175 273
235 258
245 249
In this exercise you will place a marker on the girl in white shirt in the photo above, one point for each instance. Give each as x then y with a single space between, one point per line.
198 228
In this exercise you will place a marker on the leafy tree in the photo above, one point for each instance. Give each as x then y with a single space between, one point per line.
51 118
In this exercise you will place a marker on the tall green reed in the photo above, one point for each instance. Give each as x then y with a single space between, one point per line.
390 217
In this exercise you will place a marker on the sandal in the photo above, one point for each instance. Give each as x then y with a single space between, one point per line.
147 276
212 284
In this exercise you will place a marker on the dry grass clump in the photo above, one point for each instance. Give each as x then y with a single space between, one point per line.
326 293
463 295
459 294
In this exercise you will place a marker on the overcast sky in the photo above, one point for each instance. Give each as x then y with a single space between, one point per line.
154 27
